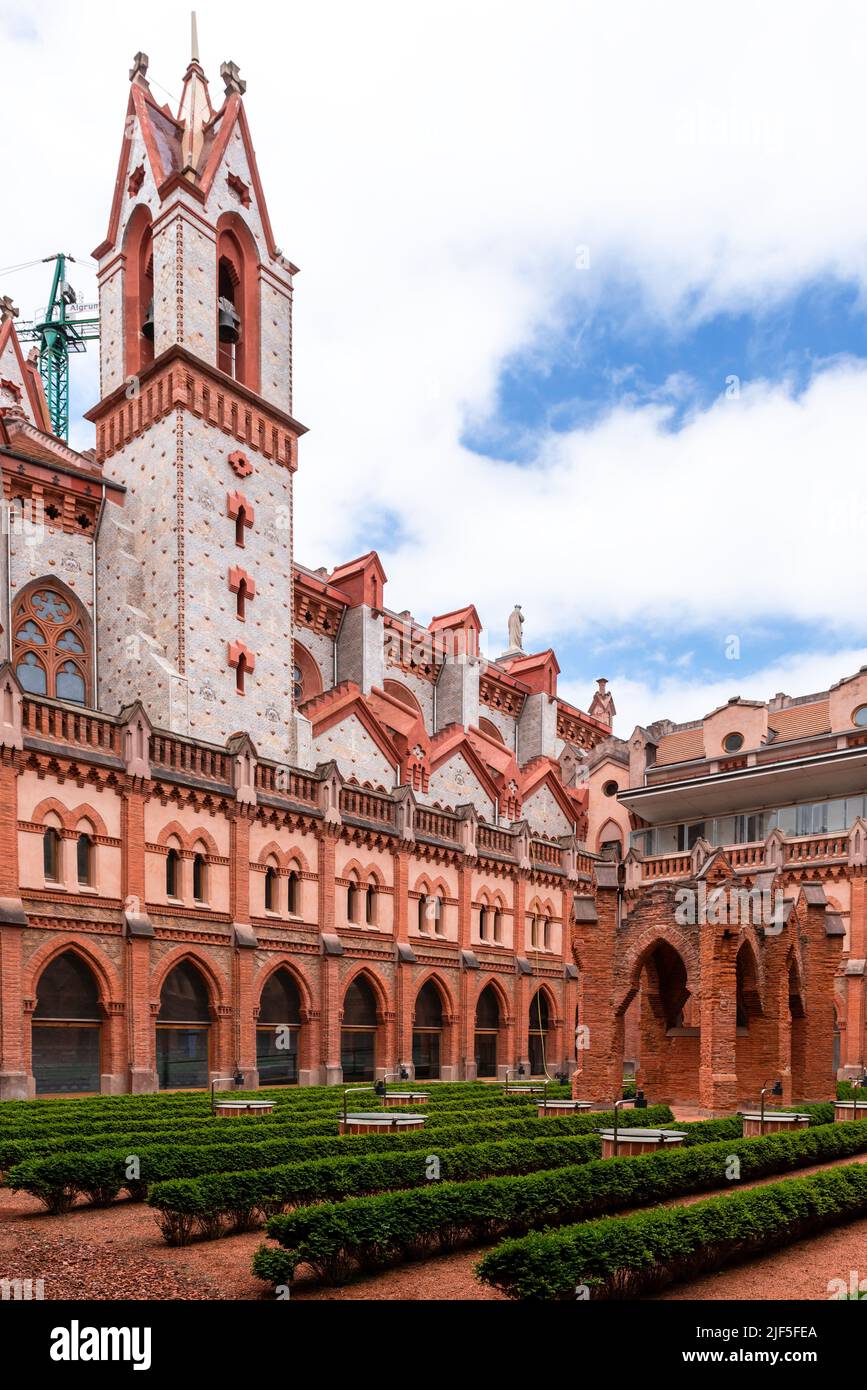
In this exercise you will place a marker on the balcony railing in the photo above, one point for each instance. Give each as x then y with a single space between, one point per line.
437 825
367 805
190 759
61 724
495 841
803 849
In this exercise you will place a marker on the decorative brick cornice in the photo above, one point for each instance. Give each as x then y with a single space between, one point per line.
501 692
179 380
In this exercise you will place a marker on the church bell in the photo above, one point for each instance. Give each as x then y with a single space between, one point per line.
147 327
229 322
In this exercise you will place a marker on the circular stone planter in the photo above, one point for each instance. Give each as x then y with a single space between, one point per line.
380 1124
230 1108
639 1141
563 1107
845 1110
776 1122
406 1098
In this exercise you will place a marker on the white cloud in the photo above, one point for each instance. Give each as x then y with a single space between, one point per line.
676 697
433 167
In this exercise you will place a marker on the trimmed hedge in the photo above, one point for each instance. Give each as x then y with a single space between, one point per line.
627 1256
320 1122
58 1179
367 1232
318 1119
211 1205
310 1101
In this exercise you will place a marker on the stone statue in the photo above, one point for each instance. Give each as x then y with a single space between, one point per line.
516 629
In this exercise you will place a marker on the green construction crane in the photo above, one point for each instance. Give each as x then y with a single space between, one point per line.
58 336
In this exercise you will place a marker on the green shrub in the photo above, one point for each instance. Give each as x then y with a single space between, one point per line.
627 1256
369 1231
59 1177
211 1204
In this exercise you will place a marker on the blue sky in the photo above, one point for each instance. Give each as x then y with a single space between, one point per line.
500 421
609 352
614 352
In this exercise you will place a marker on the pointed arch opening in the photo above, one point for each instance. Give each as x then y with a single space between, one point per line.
66 1030
237 308
278 1030
359 1029
427 1033
487 1032
538 1033
138 292
183 1029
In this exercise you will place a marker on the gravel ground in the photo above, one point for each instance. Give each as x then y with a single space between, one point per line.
117 1252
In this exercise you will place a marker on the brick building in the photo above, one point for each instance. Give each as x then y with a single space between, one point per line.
254 820
739 951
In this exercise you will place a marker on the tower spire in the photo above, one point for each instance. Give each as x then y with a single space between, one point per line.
195 108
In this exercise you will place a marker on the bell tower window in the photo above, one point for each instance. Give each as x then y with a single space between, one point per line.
138 293
228 320
237 286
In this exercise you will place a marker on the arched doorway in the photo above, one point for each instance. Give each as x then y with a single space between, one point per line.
277 1031
66 1027
798 1023
183 1026
487 1032
427 1033
537 1035
358 1032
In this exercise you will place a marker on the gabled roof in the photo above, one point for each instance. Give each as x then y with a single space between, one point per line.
398 717
496 755
545 772
538 672
353 578
167 148
454 740
459 617
29 373
344 701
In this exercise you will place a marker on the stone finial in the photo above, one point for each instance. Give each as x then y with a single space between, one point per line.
234 82
405 814
521 845
244 763
136 731
8 310
139 67
330 782
468 817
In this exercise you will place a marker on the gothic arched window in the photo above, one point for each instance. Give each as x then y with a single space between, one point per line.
50 647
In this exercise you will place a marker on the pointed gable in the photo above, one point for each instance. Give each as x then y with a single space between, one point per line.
346 730
362 581
21 389
458 774
546 804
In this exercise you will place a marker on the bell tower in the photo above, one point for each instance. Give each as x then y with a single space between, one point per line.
195 421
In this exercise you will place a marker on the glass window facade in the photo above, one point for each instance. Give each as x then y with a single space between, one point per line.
807 818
